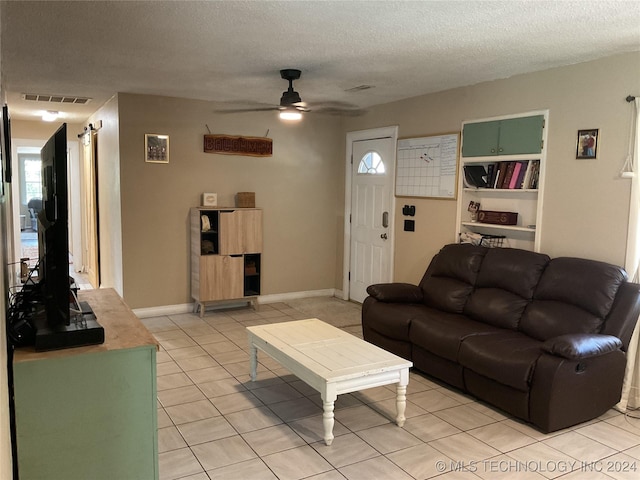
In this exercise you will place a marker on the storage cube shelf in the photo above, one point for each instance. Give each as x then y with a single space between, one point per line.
511 150
226 248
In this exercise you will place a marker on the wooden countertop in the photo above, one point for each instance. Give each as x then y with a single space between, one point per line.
122 329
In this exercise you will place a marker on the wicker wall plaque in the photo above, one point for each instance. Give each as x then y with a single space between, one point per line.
233 145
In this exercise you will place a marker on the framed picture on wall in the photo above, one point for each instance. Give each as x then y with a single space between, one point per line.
156 148
587 144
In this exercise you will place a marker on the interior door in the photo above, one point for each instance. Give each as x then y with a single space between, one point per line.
91 255
372 179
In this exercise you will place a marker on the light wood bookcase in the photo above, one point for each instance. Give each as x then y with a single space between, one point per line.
226 254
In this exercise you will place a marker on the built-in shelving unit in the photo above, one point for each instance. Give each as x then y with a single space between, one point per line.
507 144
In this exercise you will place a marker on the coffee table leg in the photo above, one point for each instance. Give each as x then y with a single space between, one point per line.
327 421
253 360
401 404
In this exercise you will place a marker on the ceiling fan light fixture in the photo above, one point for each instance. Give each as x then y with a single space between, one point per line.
290 114
50 116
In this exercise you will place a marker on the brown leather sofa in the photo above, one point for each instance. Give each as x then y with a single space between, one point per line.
543 339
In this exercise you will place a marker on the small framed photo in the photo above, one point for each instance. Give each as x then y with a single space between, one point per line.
156 148
209 199
587 144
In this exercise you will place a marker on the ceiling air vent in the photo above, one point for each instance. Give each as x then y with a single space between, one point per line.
39 97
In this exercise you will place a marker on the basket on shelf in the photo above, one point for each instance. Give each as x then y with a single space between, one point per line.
246 200
491 241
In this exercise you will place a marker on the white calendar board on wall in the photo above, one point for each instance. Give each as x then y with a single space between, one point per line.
428 166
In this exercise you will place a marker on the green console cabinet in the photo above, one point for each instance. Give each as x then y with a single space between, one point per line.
90 412
514 136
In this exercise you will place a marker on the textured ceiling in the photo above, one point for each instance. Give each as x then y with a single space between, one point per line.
231 51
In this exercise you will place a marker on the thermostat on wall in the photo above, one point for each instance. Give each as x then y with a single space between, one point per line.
209 199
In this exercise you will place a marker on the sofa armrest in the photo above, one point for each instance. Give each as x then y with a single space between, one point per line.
576 346
396 292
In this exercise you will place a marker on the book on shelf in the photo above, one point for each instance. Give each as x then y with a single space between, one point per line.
502 173
508 175
491 175
524 165
475 176
535 175
515 176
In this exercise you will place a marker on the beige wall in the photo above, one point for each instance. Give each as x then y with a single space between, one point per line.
299 187
586 203
39 130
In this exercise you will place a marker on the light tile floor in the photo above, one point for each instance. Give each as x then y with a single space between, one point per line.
214 423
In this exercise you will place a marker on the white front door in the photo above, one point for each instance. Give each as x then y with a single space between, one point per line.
372 177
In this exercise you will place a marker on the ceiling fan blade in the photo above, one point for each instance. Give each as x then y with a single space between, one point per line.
244 110
346 112
337 104
301 108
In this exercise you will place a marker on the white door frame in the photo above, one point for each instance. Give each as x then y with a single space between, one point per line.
382 132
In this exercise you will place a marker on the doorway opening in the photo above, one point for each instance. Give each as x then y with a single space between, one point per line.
27 203
30 187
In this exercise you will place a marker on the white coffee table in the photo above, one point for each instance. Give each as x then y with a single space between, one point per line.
331 361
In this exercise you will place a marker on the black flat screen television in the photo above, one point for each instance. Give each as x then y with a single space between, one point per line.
53 230
66 322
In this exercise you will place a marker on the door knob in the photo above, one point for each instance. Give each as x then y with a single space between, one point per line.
383 236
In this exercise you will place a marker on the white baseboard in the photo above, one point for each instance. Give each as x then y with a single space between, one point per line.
283 297
165 310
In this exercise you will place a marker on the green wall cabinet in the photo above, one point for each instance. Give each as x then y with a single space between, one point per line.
513 136
90 412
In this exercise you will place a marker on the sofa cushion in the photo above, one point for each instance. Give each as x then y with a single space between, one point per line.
545 319
442 333
508 358
516 271
587 284
496 307
393 319
449 280
574 295
504 286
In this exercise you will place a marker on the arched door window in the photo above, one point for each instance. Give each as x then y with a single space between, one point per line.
371 164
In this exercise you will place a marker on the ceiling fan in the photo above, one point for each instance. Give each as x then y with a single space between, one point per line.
292 107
